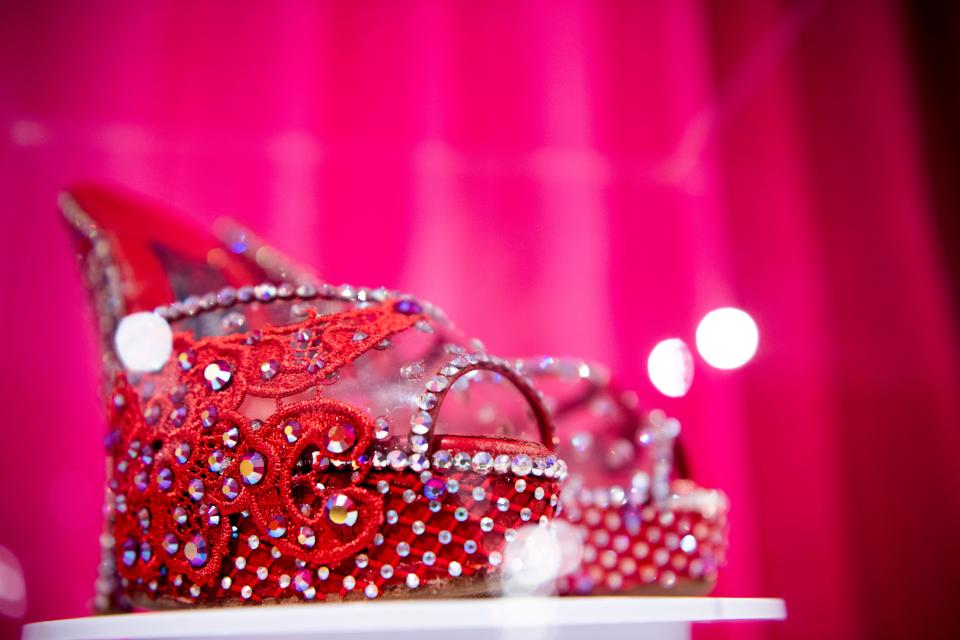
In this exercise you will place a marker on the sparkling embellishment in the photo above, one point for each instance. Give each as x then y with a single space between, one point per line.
413 580
170 544
427 401
269 369
195 489
211 514
437 383
407 306
482 462
231 437
302 580
252 467
196 551
342 510
180 515
306 537
434 488
382 428
217 375
442 460
230 488
461 461
403 549
421 422
209 416
397 459
178 416
429 558
182 452
455 569
292 430
412 371
164 479
129 553
339 438
277 526
217 461
186 359
522 465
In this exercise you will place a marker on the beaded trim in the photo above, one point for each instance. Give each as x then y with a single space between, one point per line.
480 462
268 292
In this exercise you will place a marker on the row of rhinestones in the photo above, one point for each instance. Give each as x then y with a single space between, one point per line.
481 462
268 292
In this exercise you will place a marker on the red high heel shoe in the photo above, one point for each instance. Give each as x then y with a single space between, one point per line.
290 440
644 526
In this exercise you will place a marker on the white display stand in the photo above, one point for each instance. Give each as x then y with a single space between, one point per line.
507 618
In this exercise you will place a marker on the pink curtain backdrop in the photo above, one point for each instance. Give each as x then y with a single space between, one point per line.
568 178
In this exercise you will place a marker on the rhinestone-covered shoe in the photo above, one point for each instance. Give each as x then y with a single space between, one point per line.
289 440
644 527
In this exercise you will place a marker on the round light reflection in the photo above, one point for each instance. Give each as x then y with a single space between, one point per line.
727 338
143 341
670 367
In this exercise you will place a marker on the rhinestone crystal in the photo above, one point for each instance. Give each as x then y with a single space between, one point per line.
340 509
164 479
407 306
269 369
186 359
252 467
230 488
209 416
306 537
292 430
434 488
218 374
231 437
217 460
195 489
182 452
196 551
170 544
382 428
340 437
277 526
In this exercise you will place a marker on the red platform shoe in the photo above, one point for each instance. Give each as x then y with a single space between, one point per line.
644 527
290 440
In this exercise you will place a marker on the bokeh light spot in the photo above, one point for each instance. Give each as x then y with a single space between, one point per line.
727 338
670 367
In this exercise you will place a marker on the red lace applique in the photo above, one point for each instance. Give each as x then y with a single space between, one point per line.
213 462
